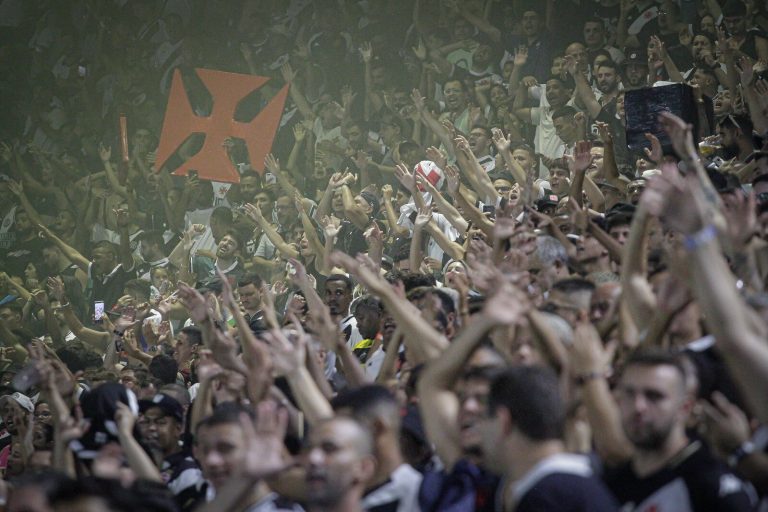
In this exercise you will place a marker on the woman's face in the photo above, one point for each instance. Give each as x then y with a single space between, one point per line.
43 413
498 96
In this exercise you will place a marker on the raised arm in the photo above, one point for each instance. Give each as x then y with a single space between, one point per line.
69 252
286 249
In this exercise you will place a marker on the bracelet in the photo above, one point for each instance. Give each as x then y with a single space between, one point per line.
747 448
582 379
65 305
700 238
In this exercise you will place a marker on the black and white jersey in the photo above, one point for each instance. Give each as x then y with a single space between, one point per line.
692 481
400 493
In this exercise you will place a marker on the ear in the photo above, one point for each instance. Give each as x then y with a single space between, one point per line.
367 469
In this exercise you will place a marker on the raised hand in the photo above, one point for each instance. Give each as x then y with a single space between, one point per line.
288 352
423 217
437 156
508 305
347 97
289 75
680 133
418 100
452 179
521 56
366 51
582 158
122 216
330 228
655 153
254 212
299 132
105 152
501 142
273 164
405 177
420 50
746 71
604 133
264 453
387 192
195 303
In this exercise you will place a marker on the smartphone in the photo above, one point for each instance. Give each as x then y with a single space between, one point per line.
82 71
98 311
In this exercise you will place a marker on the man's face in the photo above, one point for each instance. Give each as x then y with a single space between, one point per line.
161 432
635 74
479 142
220 450
607 80
354 135
565 127
482 55
22 223
502 187
602 301
593 34
700 43
103 260
524 158
455 99
634 190
473 407
557 95
11 412
620 233
147 250
51 258
333 463
183 350
250 297
63 223
265 204
461 29
248 187
559 180
227 247
578 52
286 211
368 321
652 402
735 24
530 24
338 297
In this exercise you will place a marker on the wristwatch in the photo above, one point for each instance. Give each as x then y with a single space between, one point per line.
747 448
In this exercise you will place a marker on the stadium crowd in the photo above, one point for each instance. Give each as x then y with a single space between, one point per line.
454 284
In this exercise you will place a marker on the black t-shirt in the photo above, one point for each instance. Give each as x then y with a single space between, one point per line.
351 239
693 481
108 288
22 253
565 483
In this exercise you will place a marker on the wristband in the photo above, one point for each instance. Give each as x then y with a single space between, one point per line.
700 238
747 448
582 379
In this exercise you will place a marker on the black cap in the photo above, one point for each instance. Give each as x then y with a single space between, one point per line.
636 57
169 405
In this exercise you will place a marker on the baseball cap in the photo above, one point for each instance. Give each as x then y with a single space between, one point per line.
166 403
23 400
636 57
